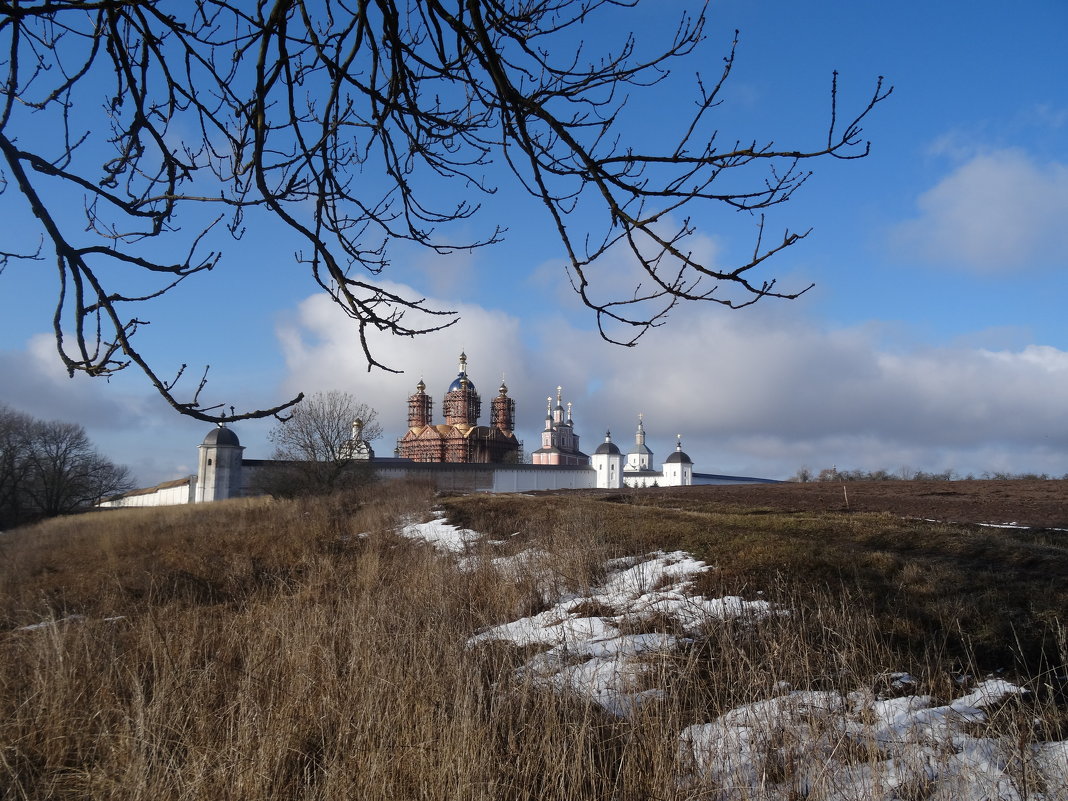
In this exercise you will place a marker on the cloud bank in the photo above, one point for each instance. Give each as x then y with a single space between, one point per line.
998 212
751 393
125 420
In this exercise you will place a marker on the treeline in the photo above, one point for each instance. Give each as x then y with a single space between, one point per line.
805 475
50 468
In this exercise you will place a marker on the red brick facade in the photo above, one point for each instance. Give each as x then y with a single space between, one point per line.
460 439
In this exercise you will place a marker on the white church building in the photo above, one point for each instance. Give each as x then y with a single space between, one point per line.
636 468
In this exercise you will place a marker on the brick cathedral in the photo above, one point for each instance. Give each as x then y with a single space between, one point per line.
460 439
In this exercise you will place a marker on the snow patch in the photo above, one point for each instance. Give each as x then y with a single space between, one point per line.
443 536
603 657
808 743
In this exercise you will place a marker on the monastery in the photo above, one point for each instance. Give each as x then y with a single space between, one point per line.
457 455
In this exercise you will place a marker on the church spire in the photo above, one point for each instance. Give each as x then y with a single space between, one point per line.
558 411
463 370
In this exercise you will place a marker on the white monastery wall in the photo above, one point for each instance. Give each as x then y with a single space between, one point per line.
172 493
489 478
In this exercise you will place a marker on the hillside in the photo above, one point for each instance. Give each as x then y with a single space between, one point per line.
658 644
982 592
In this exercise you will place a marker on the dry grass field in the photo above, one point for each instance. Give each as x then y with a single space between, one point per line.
259 649
992 594
1031 503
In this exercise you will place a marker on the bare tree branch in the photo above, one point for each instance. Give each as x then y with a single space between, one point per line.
355 124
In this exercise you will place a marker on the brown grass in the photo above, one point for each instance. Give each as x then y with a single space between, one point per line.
990 596
257 649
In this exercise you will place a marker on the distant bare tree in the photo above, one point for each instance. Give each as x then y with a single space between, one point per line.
133 129
314 446
14 472
66 473
50 468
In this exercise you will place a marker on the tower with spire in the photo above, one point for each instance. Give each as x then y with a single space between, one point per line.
678 467
502 409
420 407
559 442
462 405
639 458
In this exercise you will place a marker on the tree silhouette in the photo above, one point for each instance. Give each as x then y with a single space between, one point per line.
50 468
314 447
354 124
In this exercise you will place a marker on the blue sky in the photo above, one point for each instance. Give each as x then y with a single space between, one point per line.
933 339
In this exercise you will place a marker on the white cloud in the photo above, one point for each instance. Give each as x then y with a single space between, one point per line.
756 392
322 352
124 418
38 385
999 211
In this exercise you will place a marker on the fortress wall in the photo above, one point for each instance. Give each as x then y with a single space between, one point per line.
172 493
487 478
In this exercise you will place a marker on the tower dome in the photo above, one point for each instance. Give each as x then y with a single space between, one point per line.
221 435
607 446
679 456
462 381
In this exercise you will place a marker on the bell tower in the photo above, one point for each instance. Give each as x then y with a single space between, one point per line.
502 410
420 407
462 405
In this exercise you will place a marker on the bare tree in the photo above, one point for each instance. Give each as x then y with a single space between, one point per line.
65 471
14 471
317 446
50 468
354 124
